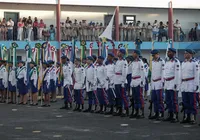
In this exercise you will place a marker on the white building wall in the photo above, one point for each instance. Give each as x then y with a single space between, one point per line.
48 12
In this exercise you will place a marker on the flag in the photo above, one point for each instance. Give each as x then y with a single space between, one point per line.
83 49
99 44
28 59
120 45
108 31
113 45
126 48
73 54
91 46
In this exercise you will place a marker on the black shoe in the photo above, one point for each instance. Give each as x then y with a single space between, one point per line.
65 107
79 110
44 105
193 122
154 116
160 117
133 115
169 118
20 103
97 112
75 109
140 116
87 110
174 120
185 120
109 113
10 102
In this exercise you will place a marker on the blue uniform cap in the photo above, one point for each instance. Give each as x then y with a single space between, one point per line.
78 59
63 57
123 51
101 57
137 52
172 50
50 62
58 63
155 51
90 58
20 62
46 63
32 62
189 51
111 54
94 57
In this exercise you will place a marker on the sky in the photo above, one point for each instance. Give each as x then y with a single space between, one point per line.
187 4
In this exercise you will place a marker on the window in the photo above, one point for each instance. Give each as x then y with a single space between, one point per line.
129 19
18 58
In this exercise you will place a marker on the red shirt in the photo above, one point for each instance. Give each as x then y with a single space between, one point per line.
35 24
20 24
41 25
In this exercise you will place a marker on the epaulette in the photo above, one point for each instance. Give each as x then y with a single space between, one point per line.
176 60
193 60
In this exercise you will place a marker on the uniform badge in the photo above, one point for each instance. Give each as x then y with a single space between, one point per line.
197 66
177 65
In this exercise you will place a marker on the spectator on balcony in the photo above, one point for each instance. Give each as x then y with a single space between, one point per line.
3 30
143 33
85 33
90 31
67 30
25 31
62 31
198 32
129 31
20 26
177 30
133 31
101 28
46 33
75 29
29 28
96 33
161 32
155 29
52 33
149 32
121 32
195 32
138 30
80 31
125 26
41 28
166 28
10 25
191 35
35 29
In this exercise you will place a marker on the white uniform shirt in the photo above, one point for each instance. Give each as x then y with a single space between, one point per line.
146 70
110 75
12 76
177 26
11 24
21 73
4 76
157 74
91 79
57 72
101 76
173 72
189 76
138 74
34 76
52 71
79 77
1 71
67 74
121 69
46 76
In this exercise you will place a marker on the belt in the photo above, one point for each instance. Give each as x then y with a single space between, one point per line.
118 73
169 79
156 80
188 79
136 77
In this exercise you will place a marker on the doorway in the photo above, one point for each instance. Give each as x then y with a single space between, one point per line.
15 18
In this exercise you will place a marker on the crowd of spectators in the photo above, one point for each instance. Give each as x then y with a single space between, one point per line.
28 29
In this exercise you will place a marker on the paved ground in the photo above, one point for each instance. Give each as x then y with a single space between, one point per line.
36 123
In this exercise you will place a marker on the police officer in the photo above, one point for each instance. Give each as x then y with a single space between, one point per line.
137 84
22 82
101 85
52 71
79 77
129 60
58 78
67 75
121 68
157 82
33 76
189 87
91 82
4 79
110 82
12 83
172 83
46 84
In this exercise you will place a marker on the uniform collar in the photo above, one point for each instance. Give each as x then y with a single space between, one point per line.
188 60
156 60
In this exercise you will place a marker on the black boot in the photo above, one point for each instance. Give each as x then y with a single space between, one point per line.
141 115
125 114
193 119
155 116
65 106
169 118
175 118
103 111
82 106
79 108
76 108
160 116
89 109
110 112
100 110
186 119
135 115
119 112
